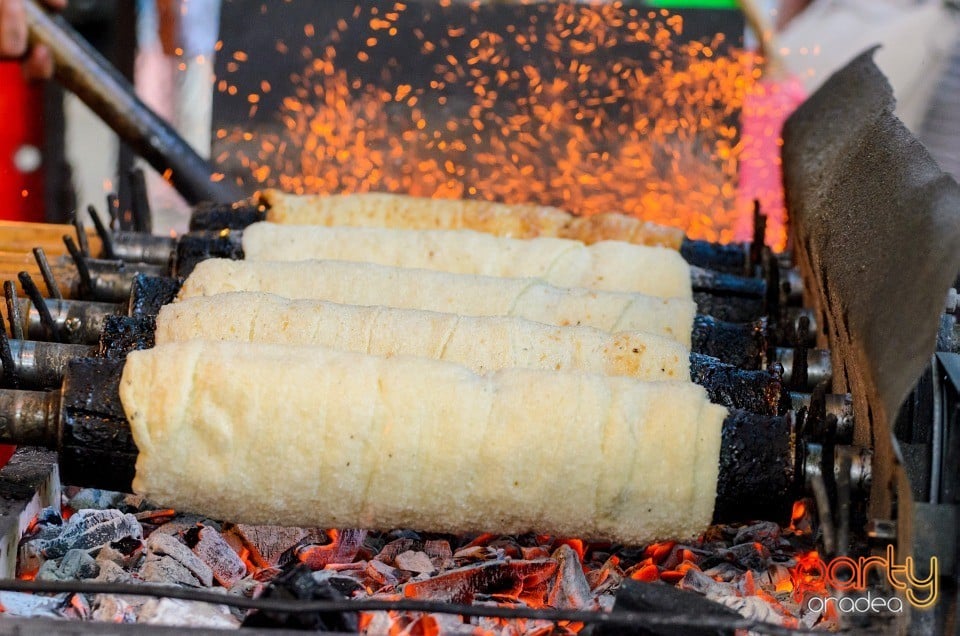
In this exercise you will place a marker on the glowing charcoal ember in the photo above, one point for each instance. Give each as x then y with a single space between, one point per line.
570 588
463 584
89 529
164 544
417 562
342 548
213 550
266 544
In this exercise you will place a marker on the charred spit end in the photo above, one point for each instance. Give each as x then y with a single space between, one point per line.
142 218
113 280
31 418
729 259
198 246
727 297
123 334
804 369
96 445
10 376
759 462
236 216
150 293
49 280
47 324
740 344
755 391
77 321
13 309
138 247
86 285
106 240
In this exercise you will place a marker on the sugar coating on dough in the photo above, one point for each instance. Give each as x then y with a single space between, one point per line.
308 436
481 343
606 266
466 294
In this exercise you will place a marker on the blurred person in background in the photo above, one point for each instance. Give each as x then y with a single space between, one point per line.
919 54
14 42
174 76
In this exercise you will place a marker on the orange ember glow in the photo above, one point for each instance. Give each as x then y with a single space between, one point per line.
652 135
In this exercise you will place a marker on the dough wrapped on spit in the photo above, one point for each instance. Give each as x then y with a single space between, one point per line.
308 436
377 209
469 295
605 266
481 344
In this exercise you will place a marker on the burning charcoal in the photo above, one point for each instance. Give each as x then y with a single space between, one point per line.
30 605
402 533
343 548
382 573
759 609
724 571
570 589
77 608
463 584
268 543
440 553
47 526
113 609
124 552
392 549
132 503
346 585
74 566
765 532
412 561
90 529
750 556
300 584
166 570
110 572
658 597
702 583
213 550
168 611
606 578
506 548
472 553
164 544
94 498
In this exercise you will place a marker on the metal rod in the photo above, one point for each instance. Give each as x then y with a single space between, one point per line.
13 309
81 236
6 358
53 290
41 305
113 209
142 220
86 284
106 240
80 68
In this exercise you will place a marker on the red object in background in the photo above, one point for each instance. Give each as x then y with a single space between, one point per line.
21 159
21 146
